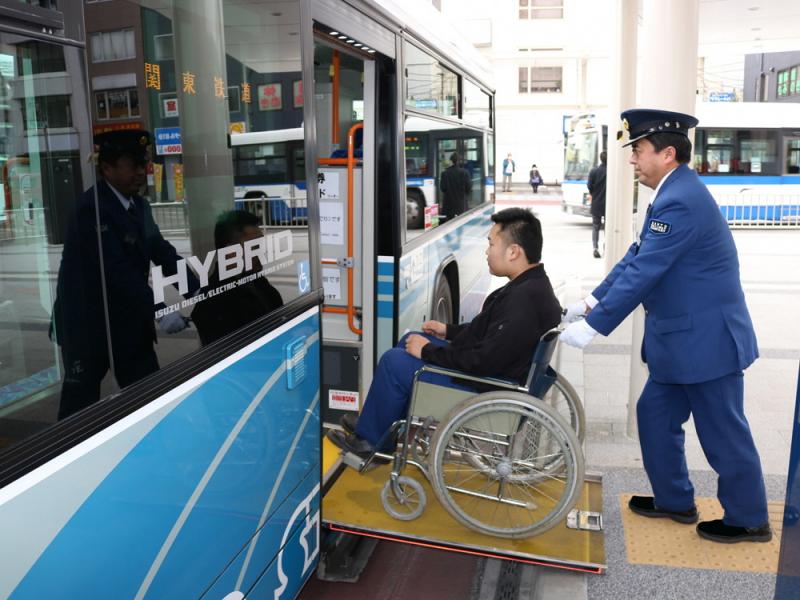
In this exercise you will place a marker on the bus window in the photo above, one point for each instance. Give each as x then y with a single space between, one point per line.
758 152
437 190
431 86
719 150
40 183
792 156
212 233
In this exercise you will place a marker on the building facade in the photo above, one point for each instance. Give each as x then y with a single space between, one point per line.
772 77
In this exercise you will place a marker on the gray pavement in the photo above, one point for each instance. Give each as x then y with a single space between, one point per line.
601 373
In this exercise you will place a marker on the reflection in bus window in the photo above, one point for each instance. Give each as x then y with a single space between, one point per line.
430 148
431 86
43 139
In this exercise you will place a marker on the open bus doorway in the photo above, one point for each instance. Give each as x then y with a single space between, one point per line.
344 112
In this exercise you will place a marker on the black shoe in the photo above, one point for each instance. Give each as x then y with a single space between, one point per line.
646 506
350 442
596 253
349 422
717 531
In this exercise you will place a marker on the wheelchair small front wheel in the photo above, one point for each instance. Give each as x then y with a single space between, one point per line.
404 499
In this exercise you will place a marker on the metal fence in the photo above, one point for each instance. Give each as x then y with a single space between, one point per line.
745 210
22 224
172 218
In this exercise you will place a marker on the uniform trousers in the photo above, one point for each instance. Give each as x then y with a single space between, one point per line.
390 392
718 411
83 375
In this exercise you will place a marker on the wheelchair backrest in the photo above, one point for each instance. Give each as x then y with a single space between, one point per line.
541 376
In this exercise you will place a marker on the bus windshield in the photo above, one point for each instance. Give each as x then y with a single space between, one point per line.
581 155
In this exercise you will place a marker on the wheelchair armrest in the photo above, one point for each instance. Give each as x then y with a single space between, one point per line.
490 381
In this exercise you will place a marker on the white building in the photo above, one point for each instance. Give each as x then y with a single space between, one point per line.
551 60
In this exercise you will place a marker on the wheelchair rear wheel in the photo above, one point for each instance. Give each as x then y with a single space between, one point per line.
492 465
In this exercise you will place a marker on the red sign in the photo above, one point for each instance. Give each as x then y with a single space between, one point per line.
115 127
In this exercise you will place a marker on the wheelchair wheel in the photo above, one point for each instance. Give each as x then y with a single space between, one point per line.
404 499
565 400
492 465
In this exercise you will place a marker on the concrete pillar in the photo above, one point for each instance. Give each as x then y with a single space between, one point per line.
619 179
668 80
207 164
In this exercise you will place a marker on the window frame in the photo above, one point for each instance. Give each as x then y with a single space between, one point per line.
529 11
108 105
529 80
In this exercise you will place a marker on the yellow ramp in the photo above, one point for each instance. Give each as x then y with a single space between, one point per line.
353 504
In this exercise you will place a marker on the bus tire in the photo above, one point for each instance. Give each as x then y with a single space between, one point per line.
415 210
443 302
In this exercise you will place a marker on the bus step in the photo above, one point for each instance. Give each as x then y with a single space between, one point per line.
344 557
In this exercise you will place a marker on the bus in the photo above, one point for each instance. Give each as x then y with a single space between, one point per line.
193 467
585 138
747 154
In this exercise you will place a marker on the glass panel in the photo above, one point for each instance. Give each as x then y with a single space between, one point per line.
44 139
758 153
581 154
792 157
445 173
477 105
430 85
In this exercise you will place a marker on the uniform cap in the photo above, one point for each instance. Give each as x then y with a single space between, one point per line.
124 142
642 122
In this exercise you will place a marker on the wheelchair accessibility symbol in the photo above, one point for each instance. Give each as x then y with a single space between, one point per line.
303 277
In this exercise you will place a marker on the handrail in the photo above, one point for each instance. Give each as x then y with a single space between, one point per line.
351 163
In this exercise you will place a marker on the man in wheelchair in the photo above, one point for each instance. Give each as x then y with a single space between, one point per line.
499 342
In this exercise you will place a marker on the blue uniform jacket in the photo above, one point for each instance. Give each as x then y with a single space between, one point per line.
685 271
128 247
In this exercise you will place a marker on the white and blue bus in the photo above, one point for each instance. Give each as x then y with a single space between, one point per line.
747 153
194 468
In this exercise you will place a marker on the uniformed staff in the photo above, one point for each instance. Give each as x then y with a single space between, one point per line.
698 335
111 241
499 342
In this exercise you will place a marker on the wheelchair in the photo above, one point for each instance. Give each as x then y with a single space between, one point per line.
507 462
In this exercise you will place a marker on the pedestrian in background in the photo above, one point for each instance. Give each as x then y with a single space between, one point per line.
698 336
597 188
535 178
509 166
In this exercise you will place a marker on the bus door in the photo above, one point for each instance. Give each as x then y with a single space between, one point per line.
345 92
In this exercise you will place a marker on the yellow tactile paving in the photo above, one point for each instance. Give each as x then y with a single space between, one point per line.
665 542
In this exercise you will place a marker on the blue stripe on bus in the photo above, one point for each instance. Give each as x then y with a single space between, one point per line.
385 268
750 179
386 287
385 310
574 182
760 213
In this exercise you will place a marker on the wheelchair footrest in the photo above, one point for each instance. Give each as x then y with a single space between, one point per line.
354 460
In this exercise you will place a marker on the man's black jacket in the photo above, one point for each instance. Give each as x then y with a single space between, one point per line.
597 188
500 341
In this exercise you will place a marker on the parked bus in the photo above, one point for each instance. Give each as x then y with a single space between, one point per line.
200 476
748 154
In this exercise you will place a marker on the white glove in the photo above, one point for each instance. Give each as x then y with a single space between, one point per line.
173 322
575 311
578 334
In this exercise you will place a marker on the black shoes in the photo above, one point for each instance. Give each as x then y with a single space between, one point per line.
348 422
596 253
646 506
350 442
717 531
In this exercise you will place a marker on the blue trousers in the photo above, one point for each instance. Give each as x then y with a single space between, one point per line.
390 392
717 407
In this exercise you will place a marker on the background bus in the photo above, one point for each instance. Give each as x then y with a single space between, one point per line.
586 137
747 153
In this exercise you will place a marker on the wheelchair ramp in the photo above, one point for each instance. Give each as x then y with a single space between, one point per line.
352 504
